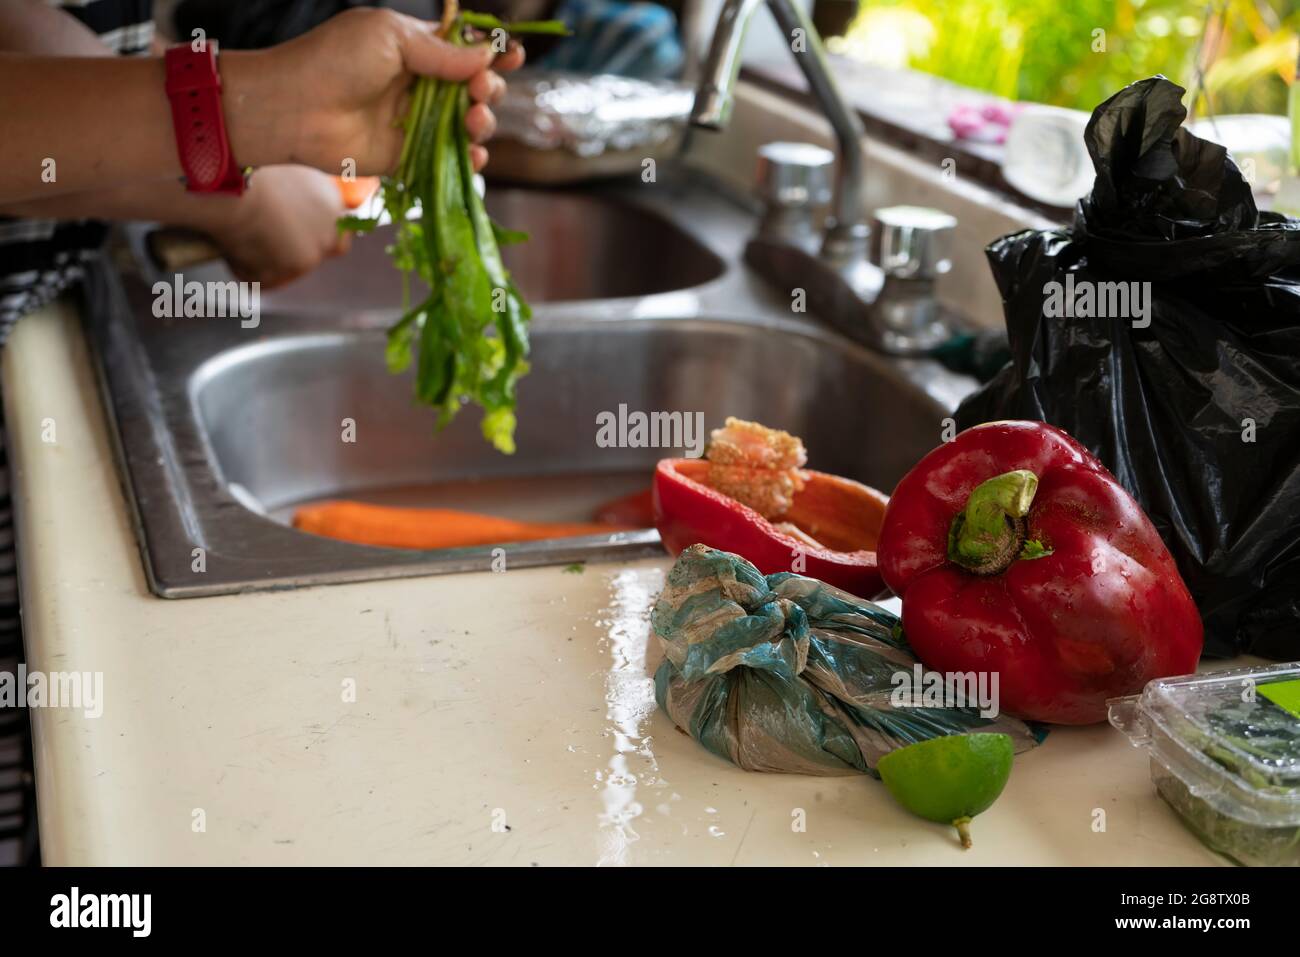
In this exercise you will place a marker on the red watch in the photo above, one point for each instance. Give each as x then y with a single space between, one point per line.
194 89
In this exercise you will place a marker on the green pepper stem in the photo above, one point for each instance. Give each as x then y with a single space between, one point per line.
987 536
962 824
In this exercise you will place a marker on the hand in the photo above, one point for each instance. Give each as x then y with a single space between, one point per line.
282 227
342 89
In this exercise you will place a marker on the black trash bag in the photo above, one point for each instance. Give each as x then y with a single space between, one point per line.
1191 393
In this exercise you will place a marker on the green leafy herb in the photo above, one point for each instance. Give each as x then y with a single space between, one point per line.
469 338
485 21
1034 549
577 568
356 224
1259 742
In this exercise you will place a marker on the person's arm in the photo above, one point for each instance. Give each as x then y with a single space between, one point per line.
33 26
62 136
333 94
282 227
165 202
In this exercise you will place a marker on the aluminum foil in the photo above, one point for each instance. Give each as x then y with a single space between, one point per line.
587 115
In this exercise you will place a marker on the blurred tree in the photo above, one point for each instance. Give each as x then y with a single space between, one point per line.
1234 56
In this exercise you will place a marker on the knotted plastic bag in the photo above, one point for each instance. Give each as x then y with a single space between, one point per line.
786 673
1195 404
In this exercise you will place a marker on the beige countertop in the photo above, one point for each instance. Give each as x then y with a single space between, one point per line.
498 718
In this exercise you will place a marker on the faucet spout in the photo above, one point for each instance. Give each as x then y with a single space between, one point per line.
847 233
713 97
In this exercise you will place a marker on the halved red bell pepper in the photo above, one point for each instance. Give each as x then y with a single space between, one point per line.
1015 552
843 516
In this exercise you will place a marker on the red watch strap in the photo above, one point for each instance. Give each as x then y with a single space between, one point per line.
194 89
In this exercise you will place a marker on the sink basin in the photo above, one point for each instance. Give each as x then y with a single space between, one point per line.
587 247
294 392
222 431
581 247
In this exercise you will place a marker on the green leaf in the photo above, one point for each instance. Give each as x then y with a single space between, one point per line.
485 21
356 224
547 27
469 339
1034 549
499 429
508 237
401 338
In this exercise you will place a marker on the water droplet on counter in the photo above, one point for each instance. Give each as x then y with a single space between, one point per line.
629 703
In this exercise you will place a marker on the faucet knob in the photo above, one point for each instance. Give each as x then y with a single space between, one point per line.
912 242
795 174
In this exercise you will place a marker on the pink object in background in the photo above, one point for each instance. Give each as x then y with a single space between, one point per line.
987 123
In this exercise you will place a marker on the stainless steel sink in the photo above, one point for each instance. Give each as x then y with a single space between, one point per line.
222 431
581 247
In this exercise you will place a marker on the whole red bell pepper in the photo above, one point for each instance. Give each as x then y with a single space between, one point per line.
1017 553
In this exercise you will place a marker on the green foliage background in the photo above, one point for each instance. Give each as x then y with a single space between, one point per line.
1076 53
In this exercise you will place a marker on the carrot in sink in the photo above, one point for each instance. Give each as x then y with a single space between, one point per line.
392 527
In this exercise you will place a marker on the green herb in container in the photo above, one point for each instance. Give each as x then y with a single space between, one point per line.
1225 754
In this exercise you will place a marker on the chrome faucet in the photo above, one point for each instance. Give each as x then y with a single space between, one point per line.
891 308
847 233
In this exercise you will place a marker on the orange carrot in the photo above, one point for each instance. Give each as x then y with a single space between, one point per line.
368 524
356 190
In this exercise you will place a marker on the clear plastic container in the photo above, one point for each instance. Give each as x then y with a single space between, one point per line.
1225 754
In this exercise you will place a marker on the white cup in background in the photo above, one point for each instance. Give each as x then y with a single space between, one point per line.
1045 157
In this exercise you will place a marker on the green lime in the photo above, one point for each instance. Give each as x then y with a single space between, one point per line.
949 780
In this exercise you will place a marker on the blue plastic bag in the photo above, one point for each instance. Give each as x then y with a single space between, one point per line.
786 673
